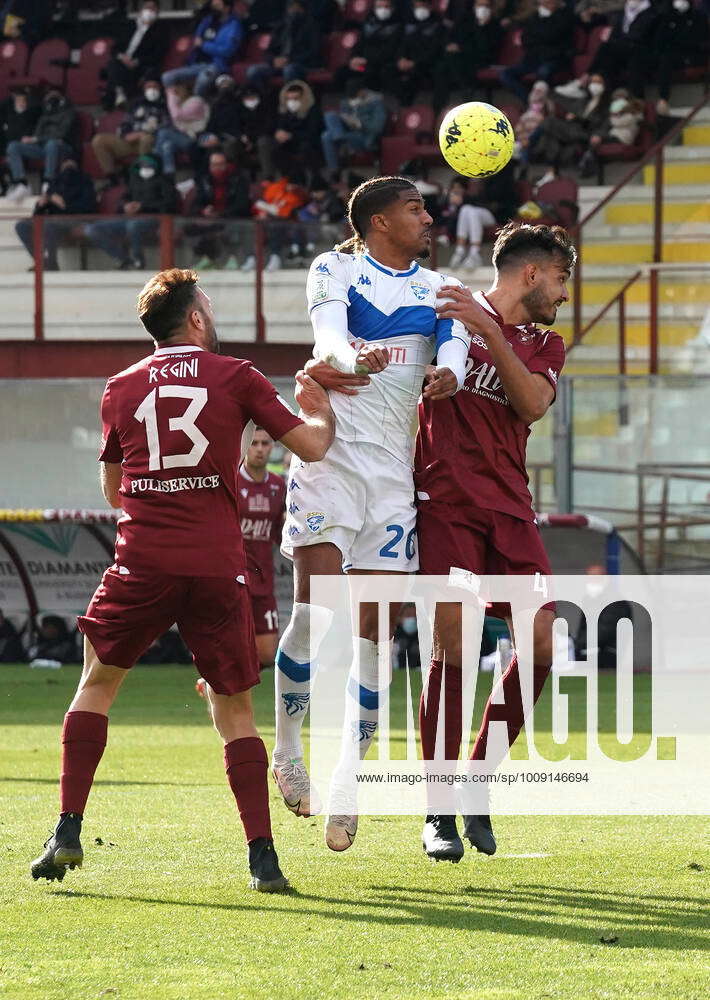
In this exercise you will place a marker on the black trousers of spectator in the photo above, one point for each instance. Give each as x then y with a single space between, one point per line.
116 75
449 74
404 86
512 76
52 232
615 58
670 60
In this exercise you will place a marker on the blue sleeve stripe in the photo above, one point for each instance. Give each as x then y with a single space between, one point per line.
443 331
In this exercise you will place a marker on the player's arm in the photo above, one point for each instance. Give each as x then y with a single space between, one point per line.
111 483
452 346
312 438
529 393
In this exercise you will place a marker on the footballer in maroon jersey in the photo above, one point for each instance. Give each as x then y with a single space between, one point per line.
474 507
262 500
174 426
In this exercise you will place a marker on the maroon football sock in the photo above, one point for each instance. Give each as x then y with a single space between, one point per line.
510 712
429 711
247 767
83 744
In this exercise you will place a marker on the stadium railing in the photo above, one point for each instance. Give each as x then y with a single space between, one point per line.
651 202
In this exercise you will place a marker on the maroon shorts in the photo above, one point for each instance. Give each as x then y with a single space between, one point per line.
129 611
265 614
485 542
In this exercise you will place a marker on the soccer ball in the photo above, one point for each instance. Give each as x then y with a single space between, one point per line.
476 139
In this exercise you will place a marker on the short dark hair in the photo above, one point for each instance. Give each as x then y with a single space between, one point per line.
518 242
370 198
165 300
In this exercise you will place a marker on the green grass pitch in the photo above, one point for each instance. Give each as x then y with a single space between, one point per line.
615 907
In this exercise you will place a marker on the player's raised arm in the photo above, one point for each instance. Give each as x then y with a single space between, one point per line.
311 439
452 345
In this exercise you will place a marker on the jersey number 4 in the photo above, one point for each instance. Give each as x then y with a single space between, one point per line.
147 414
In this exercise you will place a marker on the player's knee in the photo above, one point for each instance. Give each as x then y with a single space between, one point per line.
308 626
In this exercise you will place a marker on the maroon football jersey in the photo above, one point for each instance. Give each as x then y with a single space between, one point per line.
471 447
175 421
261 506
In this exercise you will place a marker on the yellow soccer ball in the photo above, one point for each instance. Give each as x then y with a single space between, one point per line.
476 139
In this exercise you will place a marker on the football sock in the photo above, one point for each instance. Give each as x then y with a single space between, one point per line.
247 767
83 744
296 666
429 711
505 704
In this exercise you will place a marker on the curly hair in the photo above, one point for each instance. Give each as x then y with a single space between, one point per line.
164 301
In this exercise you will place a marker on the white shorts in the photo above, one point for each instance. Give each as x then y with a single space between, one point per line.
360 499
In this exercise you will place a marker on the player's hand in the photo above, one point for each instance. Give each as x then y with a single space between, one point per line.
310 396
331 378
460 304
372 359
439 383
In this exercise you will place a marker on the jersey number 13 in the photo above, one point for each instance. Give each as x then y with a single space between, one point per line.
147 414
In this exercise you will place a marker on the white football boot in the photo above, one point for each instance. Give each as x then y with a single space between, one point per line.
300 796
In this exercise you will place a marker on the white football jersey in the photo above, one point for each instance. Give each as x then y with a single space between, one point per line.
392 309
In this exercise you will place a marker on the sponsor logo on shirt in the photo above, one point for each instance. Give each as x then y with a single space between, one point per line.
553 375
320 290
293 531
315 520
256 530
175 485
398 355
323 268
420 291
363 280
293 507
180 369
478 341
484 381
293 485
258 502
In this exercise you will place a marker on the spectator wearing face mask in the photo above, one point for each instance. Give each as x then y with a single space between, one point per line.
214 48
52 140
223 124
70 193
189 115
222 194
406 640
257 123
563 139
355 127
627 52
150 192
138 53
377 50
681 40
471 43
622 125
136 135
547 38
423 40
294 49
299 125
539 109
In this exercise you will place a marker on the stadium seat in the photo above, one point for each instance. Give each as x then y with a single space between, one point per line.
417 121
85 126
83 80
356 10
13 60
336 52
562 194
42 69
176 55
110 121
110 199
511 52
584 58
614 152
254 53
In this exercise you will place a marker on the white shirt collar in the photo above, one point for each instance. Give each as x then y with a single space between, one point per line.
178 349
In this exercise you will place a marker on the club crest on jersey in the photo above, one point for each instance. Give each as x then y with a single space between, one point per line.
420 291
315 520
295 703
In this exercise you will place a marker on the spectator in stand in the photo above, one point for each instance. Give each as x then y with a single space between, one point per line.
377 50
224 124
627 52
136 134
527 129
405 642
150 192
622 124
423 41
52 140
563 140
214 49
54 642
257 113
279 201
70 193
18 118
471 43
595 12
294 49
681 40
469 222
356 127
299 125
222 194
264 15
323 218
11 649
189 115
547 46
78 23
137 54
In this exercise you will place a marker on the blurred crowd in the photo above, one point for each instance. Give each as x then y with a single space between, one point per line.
224 140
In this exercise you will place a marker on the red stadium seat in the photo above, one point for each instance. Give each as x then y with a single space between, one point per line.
562 193
110 199
111 121
357 10
415 121
177 53
614 152
41 69
13 60
85 128
254 53
511 52
83 80
340 46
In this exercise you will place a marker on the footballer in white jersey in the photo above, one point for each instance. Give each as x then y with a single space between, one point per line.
357 498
